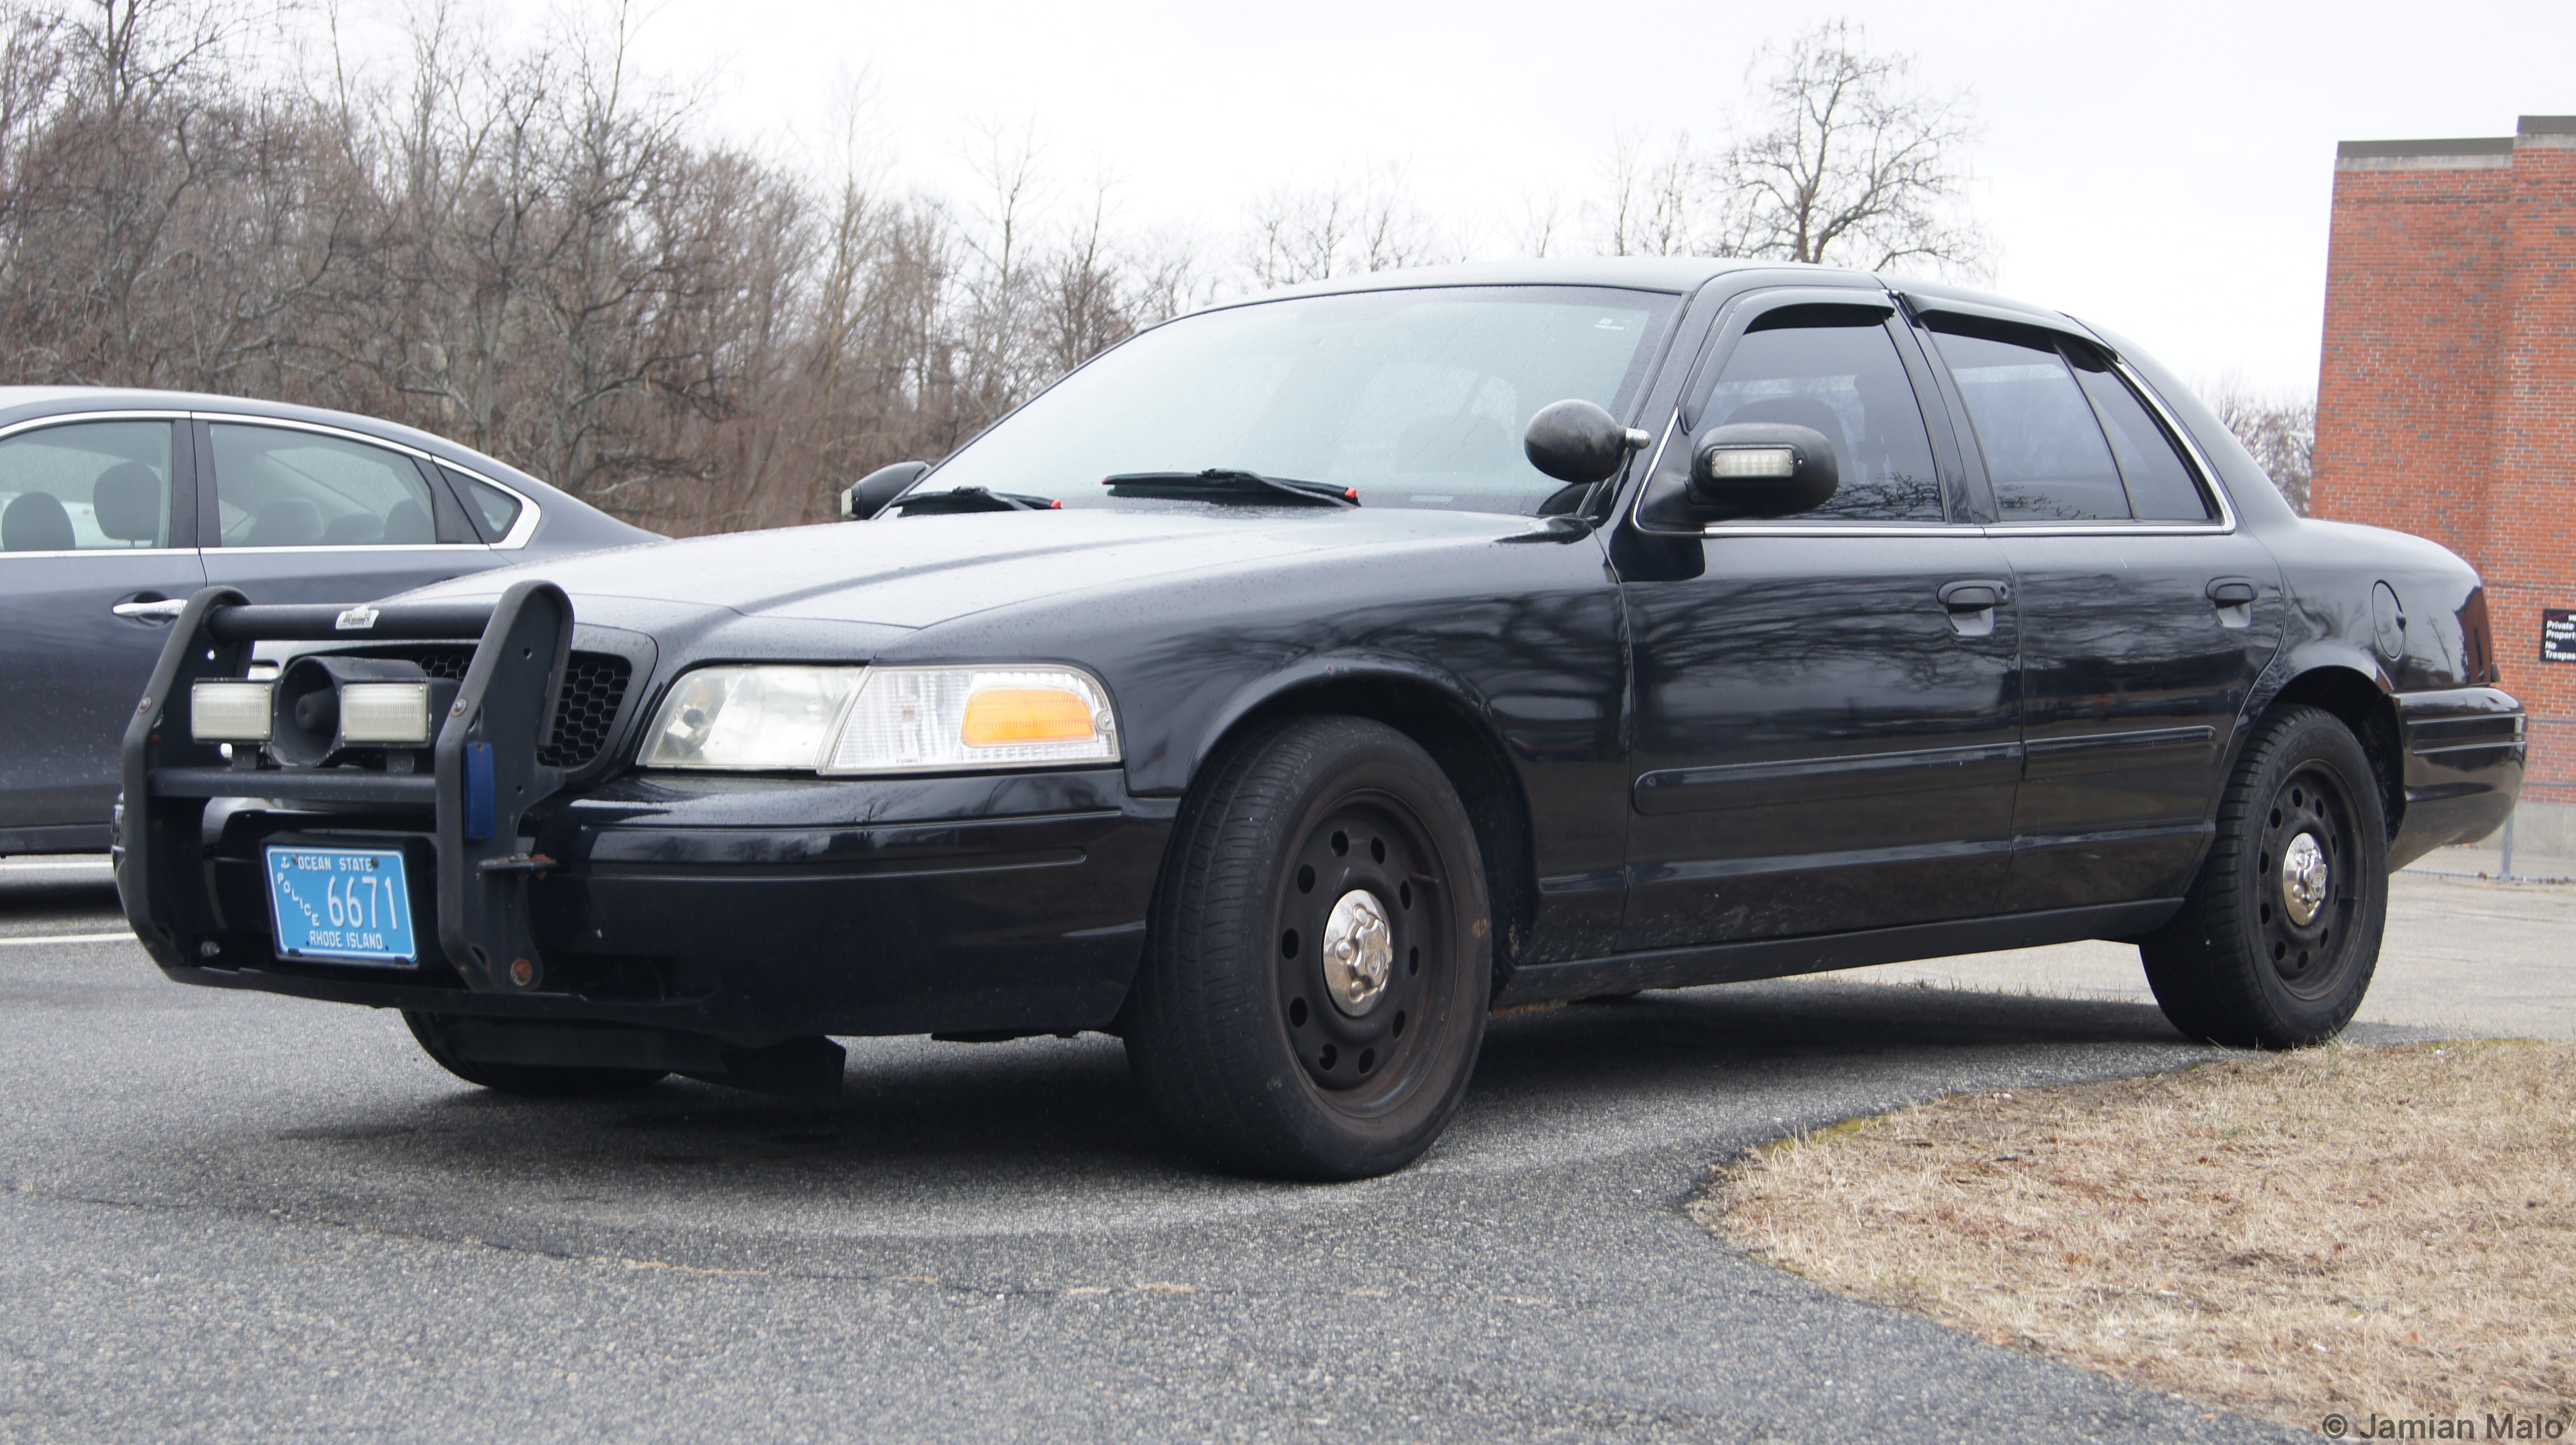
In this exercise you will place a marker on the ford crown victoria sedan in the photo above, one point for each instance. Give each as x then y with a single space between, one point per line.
1298 681
116 506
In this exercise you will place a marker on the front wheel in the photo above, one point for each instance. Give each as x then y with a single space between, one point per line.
1314 992
2279 936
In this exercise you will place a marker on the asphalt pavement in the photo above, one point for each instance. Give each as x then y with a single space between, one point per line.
233 1217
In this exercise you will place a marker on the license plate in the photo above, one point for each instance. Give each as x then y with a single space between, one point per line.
341 903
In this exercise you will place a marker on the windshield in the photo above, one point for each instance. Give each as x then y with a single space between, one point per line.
1410 398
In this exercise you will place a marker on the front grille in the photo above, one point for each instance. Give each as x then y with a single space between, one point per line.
594 684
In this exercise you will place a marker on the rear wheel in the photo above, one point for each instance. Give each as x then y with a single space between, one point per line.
1314 994
543 1080
2279 936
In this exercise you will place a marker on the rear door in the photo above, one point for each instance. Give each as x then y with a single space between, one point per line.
2146 616
95 513
299 513
1821 741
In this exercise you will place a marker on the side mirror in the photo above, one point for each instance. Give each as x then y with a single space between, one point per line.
1578 442
868 496
1763 469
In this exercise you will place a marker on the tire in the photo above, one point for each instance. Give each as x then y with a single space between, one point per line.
1261 1053
552 1081
2238 965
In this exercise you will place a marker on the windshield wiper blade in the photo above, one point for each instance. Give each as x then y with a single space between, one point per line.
1220 483
968 499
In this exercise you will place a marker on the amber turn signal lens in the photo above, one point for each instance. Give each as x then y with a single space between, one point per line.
999 715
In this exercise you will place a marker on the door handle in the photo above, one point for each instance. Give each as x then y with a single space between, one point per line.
156 610
2231 592
1977 595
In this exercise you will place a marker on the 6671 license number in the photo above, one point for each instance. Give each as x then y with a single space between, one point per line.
341 903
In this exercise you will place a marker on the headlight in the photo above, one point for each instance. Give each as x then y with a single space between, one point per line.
749 717
844 720
925 719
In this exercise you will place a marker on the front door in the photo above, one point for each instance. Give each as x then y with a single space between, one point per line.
88 514
1822 741
2146 618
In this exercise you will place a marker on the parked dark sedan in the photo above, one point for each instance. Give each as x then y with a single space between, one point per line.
1300 679
116 506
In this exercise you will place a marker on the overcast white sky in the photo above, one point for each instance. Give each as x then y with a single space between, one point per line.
2162 170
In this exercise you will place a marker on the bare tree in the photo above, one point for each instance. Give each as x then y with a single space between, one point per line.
2280 430
1341 229
1649 199
1849 160
1856 164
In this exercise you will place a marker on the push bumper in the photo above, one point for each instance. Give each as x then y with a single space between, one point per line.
746 910
2464 753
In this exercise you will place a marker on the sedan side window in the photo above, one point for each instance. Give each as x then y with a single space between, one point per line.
2161 486
281 488
1835 369
495 511
88 486
2044 449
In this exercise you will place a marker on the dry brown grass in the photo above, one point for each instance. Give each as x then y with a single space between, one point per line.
2338 1230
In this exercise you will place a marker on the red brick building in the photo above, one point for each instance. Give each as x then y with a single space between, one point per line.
2446 402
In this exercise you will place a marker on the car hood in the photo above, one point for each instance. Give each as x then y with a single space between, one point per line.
918 572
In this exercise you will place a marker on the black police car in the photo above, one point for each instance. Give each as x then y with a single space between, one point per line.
1301 679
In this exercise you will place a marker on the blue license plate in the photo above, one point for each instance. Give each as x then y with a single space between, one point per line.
341 903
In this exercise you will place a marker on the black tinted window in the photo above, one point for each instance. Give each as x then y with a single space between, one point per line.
2043 447
2161 488
1845 381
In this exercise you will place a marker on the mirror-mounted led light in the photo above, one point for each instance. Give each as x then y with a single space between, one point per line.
1751 463
230 712
385 712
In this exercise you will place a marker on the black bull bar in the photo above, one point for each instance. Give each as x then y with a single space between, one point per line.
484 777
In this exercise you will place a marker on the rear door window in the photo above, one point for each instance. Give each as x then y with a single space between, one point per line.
2161 485
2045 451
282 488
86 487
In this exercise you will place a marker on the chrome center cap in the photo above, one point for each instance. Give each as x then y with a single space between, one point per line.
1359 952
2303 879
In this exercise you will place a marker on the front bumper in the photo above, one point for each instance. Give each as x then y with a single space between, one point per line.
746 909
2464 753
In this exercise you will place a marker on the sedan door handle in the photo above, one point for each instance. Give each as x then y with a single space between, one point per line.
151 611
2231 592
1975 596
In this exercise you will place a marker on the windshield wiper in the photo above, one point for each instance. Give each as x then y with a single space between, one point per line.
1223 483
968 499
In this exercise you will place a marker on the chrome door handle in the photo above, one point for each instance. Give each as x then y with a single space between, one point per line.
1975 596
152 611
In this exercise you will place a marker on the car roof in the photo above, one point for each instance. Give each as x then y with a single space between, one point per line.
1676 275
27 403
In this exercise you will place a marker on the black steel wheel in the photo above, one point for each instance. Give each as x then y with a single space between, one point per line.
1314 992
542 1080
2279 936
